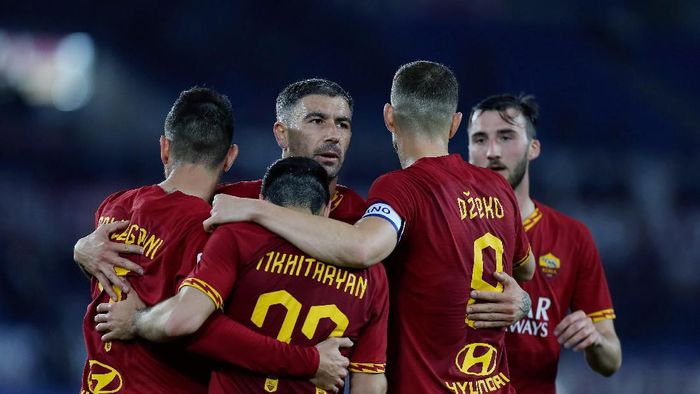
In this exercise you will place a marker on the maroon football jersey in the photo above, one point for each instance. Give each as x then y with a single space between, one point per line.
264 282
346 205
461 224
169 227
569 276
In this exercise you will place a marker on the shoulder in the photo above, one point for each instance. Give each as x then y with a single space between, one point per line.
249 189
123 197
350 194
247 231
571 225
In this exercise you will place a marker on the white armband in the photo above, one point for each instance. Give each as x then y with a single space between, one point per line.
385 211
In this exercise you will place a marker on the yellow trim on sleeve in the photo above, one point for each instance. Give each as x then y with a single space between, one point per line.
205 288
367 367
605 314
524 259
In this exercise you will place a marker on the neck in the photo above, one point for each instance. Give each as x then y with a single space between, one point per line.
522 193
191 179
413 147
331 186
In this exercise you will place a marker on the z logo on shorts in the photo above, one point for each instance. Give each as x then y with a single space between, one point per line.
103 379
478 359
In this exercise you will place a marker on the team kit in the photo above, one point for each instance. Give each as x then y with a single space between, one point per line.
448 278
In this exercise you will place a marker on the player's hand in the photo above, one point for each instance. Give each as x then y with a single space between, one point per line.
99 256
577 331
332 366
118 320
227 209
496 309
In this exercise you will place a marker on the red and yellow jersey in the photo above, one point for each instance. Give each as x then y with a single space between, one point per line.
265 283
569 276
460 225
346 205
169 228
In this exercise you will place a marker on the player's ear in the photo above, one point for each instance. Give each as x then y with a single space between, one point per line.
389 117
164 150
533 151
456 121
281 134
230 156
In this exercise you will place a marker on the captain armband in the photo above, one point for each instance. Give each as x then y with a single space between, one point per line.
386 212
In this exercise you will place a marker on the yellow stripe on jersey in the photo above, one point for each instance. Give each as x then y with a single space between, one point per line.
605 314
532 220
335 201
524 259
205 288
367 367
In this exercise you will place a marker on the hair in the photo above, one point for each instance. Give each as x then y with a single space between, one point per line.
424 96
524 104
296 181
199 127
291 94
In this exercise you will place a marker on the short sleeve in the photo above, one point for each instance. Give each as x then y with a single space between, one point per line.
215 273
369 351
591 293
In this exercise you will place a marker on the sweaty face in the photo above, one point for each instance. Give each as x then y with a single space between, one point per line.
320 129
501 146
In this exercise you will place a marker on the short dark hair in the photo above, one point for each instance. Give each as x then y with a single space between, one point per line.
296 181
525 104
424 96
296 91
200 127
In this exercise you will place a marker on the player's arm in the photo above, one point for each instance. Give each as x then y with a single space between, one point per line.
369 241
525 270
98 256
179 315
367 383
599 340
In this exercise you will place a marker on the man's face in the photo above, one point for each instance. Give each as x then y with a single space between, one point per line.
499 145
320 129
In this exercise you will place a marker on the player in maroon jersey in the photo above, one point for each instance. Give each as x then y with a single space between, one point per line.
314 120
269 285
569 274
450 226
195 150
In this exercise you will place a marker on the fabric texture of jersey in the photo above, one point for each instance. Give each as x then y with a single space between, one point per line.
269 285
462 223
169 228
346 205
569 276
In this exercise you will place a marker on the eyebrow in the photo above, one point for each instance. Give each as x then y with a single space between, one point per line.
325 116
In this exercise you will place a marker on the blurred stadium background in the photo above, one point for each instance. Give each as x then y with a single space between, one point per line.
85 87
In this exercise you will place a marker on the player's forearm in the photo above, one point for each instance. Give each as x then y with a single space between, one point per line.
606 356
329 240
225 340
363 383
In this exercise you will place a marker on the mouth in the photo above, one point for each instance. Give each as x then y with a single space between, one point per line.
497 167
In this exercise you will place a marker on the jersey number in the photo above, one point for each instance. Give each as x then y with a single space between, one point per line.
293 307
486 241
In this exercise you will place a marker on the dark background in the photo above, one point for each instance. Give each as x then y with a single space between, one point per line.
85 87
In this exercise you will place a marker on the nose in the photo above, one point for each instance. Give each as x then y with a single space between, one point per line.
332 133
494 150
